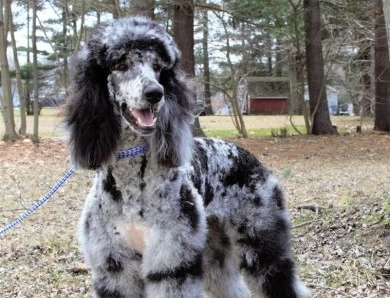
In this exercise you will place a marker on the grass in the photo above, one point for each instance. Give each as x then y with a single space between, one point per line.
260 132
382 218
287 174
386 222
49 123
214 126
252 133
47 111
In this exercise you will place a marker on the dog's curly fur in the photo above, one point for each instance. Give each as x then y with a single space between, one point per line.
189 217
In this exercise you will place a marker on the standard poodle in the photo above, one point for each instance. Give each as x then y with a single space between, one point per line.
186 217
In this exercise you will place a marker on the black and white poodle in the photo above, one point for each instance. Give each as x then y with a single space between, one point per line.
189 217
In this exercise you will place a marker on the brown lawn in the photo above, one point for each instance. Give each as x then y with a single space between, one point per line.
342 248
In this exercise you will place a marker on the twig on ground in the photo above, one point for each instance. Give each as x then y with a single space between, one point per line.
16 209
315 208
21 200
305 223
326 288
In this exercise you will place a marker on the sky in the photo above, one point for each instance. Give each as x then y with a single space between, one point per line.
20 17
49 12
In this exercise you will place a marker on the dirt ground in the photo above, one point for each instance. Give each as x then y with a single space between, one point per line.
342 248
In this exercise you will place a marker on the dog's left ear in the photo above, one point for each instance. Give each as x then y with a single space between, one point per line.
173 142
91 117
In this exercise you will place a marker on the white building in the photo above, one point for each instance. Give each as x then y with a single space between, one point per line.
333 101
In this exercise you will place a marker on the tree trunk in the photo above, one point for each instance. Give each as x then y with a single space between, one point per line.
278 71
386 12
206 63
319 110
27 91
7 104
183 31
35 137
236 106
143 8
293 99
75 36
65 50
115 9
298 63
278 58
365 105
245 56
81 26
364 58
22 130
382 72
269 56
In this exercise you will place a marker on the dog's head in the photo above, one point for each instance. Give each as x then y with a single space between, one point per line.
127 75
134 84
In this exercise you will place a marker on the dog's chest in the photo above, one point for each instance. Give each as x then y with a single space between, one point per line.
134 181
124 199
144 188
144 192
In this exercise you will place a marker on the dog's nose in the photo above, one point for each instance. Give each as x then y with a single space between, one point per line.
153 94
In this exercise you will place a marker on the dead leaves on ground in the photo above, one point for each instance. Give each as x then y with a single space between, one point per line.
341 251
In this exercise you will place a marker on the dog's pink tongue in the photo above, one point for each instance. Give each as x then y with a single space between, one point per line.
145 116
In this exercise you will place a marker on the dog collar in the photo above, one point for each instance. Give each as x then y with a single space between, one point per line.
133 151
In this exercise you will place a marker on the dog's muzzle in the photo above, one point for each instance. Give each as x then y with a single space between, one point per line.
140 118
143 119
153 94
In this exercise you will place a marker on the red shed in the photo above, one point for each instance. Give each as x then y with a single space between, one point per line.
264 95
268 105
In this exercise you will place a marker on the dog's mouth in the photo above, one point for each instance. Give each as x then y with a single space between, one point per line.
141 119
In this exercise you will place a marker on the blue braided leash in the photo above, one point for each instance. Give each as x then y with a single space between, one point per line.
122 154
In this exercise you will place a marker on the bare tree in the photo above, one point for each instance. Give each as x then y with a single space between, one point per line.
349 25
297 67
206 62
386 12
19 83
35 137
183 31
64 19
115 9
235 75
82 15
7 104
382 72
365 60
28 87
320 117
143 8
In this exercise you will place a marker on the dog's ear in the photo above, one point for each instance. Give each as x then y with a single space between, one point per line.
91 117
172 142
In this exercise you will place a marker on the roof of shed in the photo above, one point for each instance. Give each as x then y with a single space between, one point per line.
269 97
265 86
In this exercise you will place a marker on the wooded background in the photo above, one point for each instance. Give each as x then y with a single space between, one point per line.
338 42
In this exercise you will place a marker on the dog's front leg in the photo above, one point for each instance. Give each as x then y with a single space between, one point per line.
172 264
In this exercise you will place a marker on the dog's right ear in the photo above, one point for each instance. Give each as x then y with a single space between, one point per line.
91 117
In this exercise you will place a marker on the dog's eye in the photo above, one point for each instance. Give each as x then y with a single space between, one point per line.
121 67
156 67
